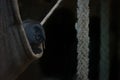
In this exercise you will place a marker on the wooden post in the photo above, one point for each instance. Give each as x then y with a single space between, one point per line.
104 50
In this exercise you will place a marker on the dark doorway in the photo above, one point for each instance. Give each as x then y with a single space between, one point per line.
60 57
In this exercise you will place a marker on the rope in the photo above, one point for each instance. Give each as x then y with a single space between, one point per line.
83 39
50 12
104 51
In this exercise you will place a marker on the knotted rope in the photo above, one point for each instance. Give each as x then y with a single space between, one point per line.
83 39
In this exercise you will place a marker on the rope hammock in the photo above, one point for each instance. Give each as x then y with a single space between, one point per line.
83 39
15 51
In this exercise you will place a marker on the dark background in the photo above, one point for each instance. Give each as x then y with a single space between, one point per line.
60 56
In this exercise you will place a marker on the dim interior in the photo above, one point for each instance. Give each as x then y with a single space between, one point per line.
59 59
60 56
94 34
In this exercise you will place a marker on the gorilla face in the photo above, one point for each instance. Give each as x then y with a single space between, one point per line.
35 34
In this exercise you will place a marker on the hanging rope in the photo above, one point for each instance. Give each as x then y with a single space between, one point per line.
83 39
51 12
104 51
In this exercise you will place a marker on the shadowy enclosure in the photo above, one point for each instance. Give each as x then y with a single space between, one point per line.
60 56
